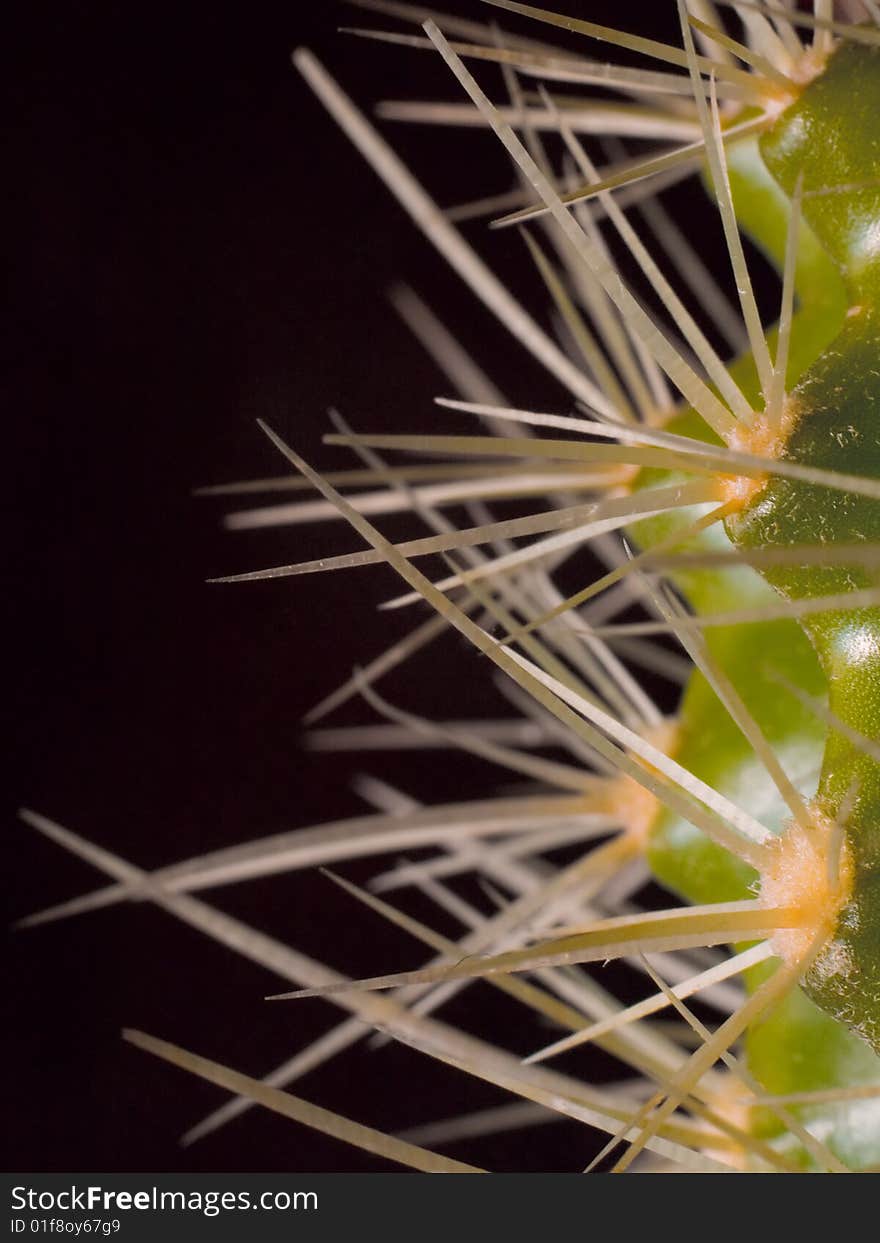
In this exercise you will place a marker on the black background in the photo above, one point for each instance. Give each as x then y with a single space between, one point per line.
195 246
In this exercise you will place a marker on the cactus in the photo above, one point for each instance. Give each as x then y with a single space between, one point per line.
733 503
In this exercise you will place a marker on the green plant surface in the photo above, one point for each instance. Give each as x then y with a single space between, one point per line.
834 378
